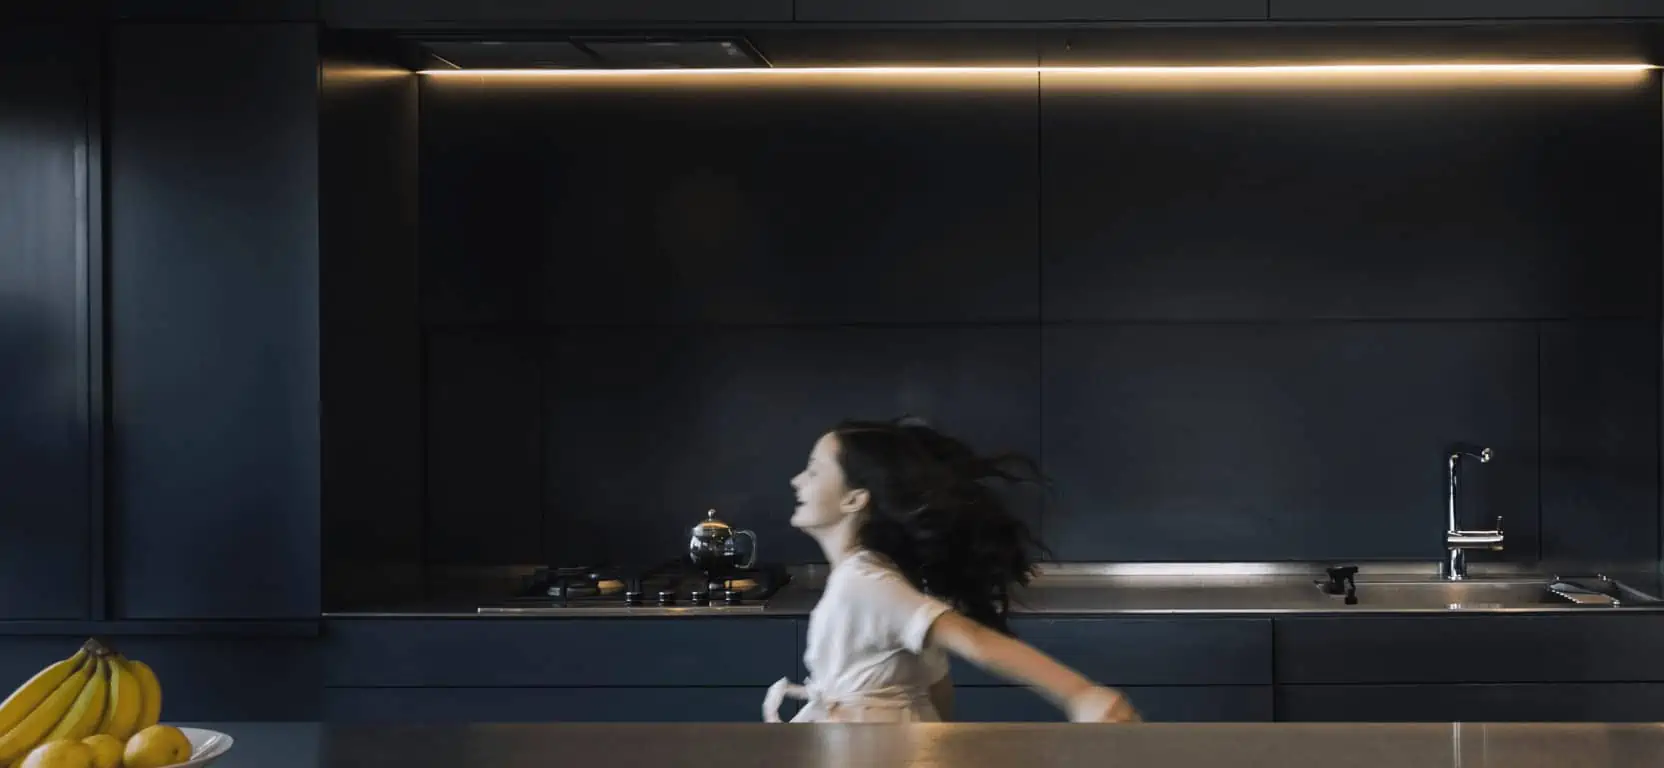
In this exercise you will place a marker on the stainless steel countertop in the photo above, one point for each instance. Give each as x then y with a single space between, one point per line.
1128 589
967 745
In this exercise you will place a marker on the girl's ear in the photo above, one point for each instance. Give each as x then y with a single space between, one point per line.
855 501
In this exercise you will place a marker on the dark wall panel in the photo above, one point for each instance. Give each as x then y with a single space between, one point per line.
45 537
1255 442
371 350
785 200
1600 443
1028 10
646 430
1291 200
1268 307
214 320
484 449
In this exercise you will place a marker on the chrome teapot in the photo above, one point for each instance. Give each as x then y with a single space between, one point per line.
714 546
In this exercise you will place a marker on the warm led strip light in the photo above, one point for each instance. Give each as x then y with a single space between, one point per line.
1112 71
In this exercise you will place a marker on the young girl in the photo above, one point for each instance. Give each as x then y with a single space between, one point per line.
921 555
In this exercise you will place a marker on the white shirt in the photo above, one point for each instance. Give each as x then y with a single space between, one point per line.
866 655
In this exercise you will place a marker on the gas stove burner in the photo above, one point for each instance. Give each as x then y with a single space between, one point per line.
675 587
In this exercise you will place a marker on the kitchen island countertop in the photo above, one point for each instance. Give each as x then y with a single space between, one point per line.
1470 745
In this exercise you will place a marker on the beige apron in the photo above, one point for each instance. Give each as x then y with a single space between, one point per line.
895 704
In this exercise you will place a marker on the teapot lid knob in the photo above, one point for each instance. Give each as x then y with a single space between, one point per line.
711 515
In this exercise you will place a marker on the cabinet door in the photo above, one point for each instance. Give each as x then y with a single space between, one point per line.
44 557
1208 703
213 304
554 653
1520 702
544 705
395 13
1464 9
1146 651
1028 10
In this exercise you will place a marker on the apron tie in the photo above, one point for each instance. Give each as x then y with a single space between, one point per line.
893 697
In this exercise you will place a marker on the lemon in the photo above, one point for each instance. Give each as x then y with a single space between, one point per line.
60 753
155 747
106 750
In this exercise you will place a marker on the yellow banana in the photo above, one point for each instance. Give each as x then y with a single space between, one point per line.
88 708
150 703
33 728
36 689
121 711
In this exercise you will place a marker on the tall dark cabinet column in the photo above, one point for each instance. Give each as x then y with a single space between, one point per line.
46 78
214 329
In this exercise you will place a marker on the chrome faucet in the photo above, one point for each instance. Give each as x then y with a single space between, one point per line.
1457 542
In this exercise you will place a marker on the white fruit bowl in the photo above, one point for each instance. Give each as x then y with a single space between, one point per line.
206 746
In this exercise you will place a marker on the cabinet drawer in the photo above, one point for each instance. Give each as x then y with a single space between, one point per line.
544 705
1485 703
1146 651
558 652
1471 649
1182 704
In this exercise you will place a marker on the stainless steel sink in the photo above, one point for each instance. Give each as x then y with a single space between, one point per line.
1496 594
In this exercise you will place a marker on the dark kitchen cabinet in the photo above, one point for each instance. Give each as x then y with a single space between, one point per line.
1515 702
1319 206
865 184
1614 648
588 652
396 13
214 10
45 87
1600 430
1173 704
49 10
1030 10
1464 9
213 305
545 705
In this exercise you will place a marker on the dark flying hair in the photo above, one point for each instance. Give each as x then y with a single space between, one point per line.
932 513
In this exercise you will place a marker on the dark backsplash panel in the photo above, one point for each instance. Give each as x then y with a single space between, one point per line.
1232 325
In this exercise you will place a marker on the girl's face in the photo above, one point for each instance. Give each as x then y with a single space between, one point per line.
823 498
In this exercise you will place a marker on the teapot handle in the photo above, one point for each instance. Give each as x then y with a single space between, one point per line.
752 559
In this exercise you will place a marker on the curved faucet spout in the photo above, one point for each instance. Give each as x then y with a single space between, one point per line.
1457 541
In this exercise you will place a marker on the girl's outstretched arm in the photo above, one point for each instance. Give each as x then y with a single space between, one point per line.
1082 699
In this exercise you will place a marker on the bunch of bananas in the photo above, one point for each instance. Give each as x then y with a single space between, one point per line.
95 691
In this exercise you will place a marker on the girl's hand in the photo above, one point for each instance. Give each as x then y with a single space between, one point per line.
1101 705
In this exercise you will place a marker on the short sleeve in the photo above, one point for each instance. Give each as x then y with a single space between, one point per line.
898 610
